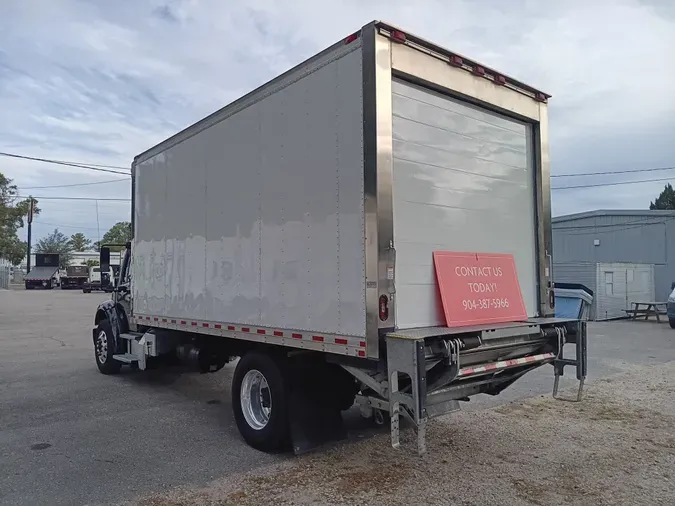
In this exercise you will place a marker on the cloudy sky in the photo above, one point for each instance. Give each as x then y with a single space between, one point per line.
84 81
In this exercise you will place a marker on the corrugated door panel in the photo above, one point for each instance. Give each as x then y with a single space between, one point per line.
463 181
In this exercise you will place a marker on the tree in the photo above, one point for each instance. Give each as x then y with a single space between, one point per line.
666 200
56 242
78 242
119 233
91 263
13 212
14 250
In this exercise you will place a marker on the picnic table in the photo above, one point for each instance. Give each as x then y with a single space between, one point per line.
646 309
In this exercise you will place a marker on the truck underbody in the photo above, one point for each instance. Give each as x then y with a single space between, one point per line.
424 373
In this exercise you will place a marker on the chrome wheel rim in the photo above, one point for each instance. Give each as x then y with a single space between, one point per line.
102 347
256 399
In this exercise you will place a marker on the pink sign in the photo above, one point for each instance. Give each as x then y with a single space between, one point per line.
478 288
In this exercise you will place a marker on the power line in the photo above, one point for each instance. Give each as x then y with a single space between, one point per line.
70 161
610 184
72 198
613 172
69 164
63 226
71 185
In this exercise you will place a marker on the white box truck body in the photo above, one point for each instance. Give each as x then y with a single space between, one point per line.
305 216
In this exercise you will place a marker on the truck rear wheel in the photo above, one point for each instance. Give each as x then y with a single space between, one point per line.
259 401
104 349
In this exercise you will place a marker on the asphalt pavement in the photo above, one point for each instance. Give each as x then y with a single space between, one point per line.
71 436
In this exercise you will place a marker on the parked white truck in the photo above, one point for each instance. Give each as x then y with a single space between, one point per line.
295 229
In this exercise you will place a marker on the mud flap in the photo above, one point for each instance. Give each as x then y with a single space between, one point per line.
314 420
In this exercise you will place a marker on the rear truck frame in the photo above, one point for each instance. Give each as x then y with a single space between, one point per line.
43 274
75 279
292 382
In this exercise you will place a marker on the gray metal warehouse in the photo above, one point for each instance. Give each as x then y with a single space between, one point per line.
623 256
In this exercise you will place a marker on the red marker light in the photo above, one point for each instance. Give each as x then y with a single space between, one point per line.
478 70
398 36
351 38
384 308
456 61
500 80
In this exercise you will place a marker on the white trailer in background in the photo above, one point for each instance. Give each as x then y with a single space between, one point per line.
295 228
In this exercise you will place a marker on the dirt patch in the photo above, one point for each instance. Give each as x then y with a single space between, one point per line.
616 447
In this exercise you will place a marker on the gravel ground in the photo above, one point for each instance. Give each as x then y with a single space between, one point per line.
616 447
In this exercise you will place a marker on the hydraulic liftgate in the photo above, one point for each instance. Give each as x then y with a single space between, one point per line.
430 370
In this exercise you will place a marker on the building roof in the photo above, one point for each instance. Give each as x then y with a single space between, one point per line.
613 212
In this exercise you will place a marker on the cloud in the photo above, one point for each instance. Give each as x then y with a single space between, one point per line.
82 81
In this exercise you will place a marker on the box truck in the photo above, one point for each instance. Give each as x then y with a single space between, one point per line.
294 230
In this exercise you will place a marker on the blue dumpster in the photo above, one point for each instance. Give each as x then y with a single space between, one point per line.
573 300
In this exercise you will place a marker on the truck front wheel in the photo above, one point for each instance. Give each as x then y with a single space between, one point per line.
259 401
104 349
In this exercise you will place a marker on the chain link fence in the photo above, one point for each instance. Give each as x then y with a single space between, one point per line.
5 274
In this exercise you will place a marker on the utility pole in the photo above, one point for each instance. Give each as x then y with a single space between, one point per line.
30 226
98 225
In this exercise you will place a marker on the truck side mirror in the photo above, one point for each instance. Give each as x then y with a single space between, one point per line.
104 258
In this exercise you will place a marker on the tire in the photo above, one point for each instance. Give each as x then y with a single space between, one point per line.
267 433
672 322
104 349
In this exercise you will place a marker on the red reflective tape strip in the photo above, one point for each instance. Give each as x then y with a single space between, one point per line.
296 336
318 339
261 331
156 319
183 322
505 364
245 329
217 326
339 340
205 324
362 344
194 324
230 327
278 333
147 317
163 320
173 321
362 353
